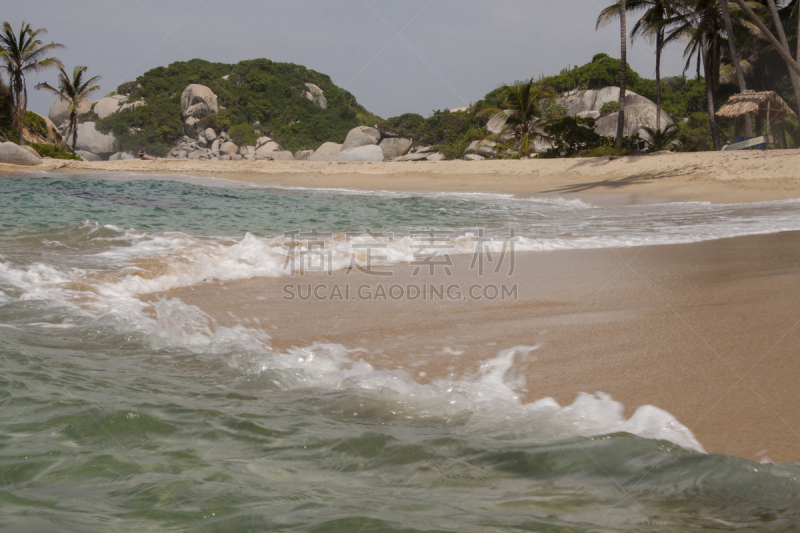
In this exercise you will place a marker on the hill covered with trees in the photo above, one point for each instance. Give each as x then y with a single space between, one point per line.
260 92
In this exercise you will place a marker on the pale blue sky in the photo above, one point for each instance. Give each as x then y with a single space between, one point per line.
448 52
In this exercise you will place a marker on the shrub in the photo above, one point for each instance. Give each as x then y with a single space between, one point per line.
243 135
53 151
571 135
609 108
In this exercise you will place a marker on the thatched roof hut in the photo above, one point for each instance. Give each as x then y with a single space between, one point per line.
766 104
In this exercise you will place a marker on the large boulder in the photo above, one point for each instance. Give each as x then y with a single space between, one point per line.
108 105
361 136
395 147
481 148
210 135
497 122
370 153
303 155
189 127
130 106
281 155
639 112
88 156
91 140
14 154
228 148
325 151
198 101
268 148
315 94
577 102
59 111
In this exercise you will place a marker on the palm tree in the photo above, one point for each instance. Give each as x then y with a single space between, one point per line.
652 26
726 16
786 55
22 54
75 91
623 77
522 119
700 23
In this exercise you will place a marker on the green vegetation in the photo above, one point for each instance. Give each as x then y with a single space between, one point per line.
449 133
259 90
56 152
23 54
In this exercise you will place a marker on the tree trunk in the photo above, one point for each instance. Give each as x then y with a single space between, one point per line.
726 15
712 114
623 81
793 76
659 48
18 107
73 124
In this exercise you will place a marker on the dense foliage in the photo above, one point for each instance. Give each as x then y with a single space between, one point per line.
449 133
256 91
53 151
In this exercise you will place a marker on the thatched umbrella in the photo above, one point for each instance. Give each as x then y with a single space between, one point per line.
767 105
764 103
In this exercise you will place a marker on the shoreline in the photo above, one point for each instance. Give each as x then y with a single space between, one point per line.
704 331
716 177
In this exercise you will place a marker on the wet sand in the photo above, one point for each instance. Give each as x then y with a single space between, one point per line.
709 332
720 177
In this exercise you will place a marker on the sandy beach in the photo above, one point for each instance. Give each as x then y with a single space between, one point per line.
707 331
720 177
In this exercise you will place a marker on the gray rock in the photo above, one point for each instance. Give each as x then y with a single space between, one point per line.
236 157
268 148
361 136
325 151
438 156
262 141
485 148
31 151
417 156
13 154
88 156
315 94
91 140
215 146
639 112
189 127
303 155
198 101
59 111
116 157
578 102
251 150
109 105
368 153
422 149
210 134
459 109
195 155
130 106
126 156
183 154
229 148
498 122
473 157
281 155
395 147
225 157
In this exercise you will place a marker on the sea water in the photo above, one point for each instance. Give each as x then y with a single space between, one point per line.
122 415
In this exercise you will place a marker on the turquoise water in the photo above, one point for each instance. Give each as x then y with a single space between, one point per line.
116 415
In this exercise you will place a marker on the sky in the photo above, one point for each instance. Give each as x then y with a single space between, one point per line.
395 56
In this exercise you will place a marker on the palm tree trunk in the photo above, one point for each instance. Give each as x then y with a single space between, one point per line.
18 107
659 49
623 80
73 125
726 15
793 76
712 114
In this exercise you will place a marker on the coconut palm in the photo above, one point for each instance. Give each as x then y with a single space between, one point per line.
652 26
661 139
701 25
22 54
75 91
726 17
522 117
